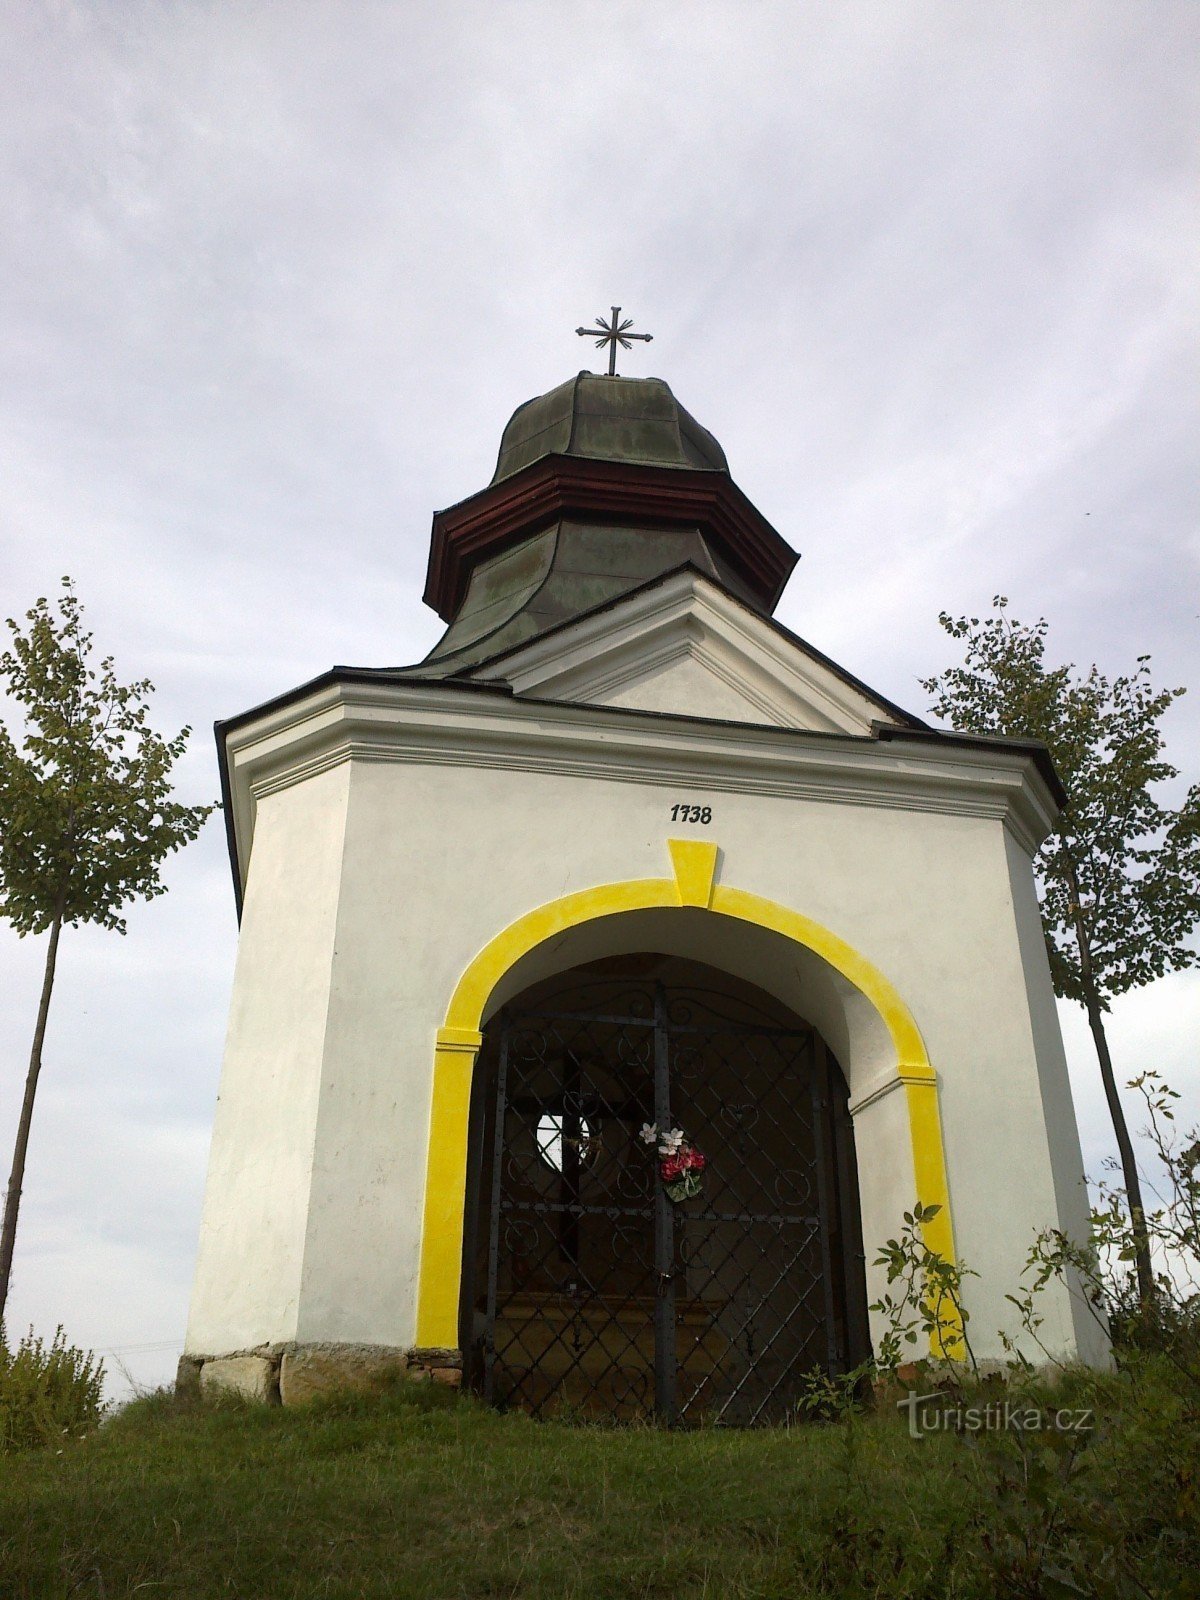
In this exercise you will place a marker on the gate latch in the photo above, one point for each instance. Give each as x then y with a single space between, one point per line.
664 1278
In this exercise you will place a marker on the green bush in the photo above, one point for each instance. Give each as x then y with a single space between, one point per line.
47 1392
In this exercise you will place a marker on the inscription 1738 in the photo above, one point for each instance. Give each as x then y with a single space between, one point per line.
684 812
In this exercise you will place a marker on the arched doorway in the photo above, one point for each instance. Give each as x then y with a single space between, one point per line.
586 1286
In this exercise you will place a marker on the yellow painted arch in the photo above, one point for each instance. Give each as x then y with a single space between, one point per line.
694 862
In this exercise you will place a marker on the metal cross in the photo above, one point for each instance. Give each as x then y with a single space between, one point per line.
612 334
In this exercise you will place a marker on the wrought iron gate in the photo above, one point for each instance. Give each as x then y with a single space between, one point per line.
586 1287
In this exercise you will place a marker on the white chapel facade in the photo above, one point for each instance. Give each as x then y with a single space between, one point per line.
623 869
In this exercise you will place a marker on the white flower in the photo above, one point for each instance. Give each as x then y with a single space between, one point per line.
649 1132
670 1142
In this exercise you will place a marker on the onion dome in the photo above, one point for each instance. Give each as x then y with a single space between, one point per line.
601 485
608 419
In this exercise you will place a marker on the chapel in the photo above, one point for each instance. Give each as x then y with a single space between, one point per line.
611 982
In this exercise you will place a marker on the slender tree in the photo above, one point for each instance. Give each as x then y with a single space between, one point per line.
1119 876
86 818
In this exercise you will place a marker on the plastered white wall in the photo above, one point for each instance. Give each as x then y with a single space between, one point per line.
373 886
1058 1107
248 1271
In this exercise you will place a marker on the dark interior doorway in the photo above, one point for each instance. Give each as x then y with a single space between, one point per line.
587 1289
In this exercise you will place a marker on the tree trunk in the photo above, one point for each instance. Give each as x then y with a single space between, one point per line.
12 1198
1129 1171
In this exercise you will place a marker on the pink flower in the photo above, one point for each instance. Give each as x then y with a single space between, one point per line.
685 1159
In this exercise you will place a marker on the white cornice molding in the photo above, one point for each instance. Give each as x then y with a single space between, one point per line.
686 615
432 724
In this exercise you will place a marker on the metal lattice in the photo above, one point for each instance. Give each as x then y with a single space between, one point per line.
592 1292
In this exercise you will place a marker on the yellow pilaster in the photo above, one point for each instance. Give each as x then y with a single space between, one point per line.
446 1186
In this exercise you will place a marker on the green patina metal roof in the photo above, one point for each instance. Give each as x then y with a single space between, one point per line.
572 559
562 572
608 419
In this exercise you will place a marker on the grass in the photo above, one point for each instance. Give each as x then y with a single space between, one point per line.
418 1493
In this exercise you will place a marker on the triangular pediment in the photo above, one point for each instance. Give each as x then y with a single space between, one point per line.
685 646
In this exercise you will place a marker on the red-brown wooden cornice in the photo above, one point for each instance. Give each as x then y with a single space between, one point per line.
620 491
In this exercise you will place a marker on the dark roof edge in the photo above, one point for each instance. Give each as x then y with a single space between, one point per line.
227 810
324 680
1034 748
908 718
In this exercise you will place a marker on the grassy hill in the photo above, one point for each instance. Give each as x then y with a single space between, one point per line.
419 1493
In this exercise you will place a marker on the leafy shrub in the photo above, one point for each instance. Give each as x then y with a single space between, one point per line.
1107 1510
1165 1322
47 1392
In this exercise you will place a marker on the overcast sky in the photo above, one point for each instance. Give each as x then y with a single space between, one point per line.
273 276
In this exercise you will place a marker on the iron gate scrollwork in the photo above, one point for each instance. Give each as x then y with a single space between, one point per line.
586 1288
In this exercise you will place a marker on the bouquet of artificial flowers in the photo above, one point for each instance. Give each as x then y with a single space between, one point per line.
680 1163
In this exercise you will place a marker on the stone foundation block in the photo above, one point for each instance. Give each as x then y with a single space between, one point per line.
254 1377
187 1376
317 1369
431 1361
